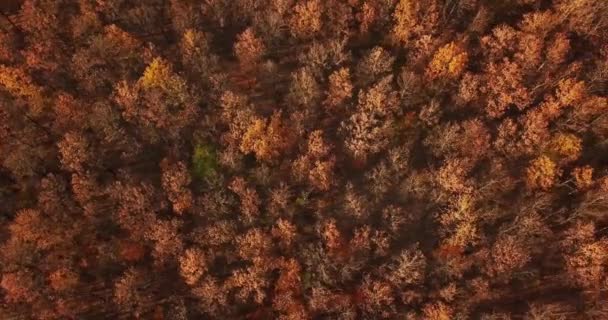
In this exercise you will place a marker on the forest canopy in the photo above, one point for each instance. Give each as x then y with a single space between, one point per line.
304 159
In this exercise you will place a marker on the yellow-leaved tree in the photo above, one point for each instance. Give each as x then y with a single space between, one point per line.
448 62
20 85
542 173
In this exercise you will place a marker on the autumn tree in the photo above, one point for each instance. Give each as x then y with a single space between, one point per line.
304 90
559 49
238 115
377 297
167 240
21 86
184 15
508 254
386 174
505 87
584 16
196 54
36 228
159 100
271 18
413 19
192 265
377 63
369 129
367 17
250 200
306 19
322 56
556 311
75 151
459 224
87 22
437 311
408 268
44 51
63 279
267 139
175 181
8 50
340 89
249 49
583 177
452 176
448 62
585 257
211 296
250 283
542 173
24 145
110 56
287 290
285 231
130 294
566 147
317 164
19 286
136 204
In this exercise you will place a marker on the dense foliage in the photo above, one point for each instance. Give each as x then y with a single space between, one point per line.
309 159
